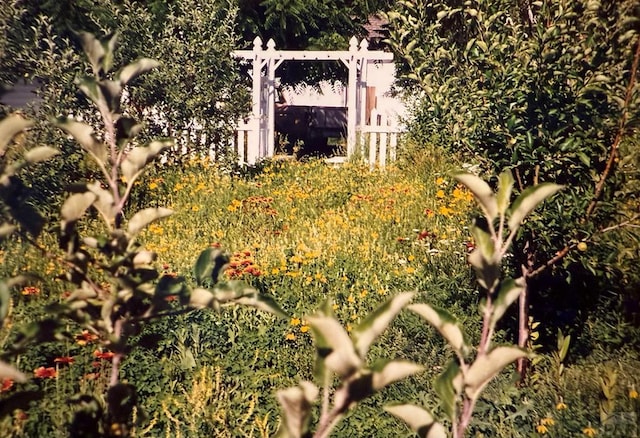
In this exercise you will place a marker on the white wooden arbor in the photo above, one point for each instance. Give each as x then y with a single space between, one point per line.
264 65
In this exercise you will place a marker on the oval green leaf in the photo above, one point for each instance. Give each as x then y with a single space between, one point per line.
446 325
394 371
9 127
482 192
75 206
144 217
418 419
342 358
377 321
487 366
529 200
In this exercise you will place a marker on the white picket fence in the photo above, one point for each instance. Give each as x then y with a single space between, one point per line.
378 140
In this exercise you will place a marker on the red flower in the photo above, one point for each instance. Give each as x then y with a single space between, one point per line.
64 360
85 337
45 373
7 384
105 355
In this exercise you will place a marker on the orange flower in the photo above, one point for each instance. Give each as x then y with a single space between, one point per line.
85 337
7 384
290 337
105 355
45 373
64 360
30 290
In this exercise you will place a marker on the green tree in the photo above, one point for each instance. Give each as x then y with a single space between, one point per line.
198 83
546 89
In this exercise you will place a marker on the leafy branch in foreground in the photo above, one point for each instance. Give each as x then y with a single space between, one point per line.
461 384
24 214
338 354
116 286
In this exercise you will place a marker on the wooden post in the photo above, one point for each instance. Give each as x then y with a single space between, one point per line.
271 95
253 143
351 96
362 84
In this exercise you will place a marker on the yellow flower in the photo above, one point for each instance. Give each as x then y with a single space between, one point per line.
195 208
440 194
295 321
363 293
548 421
541 429
153 185
439 181
445 211
561 406
633 393
589 431
334 307
304 328
290 337
275 271
350 299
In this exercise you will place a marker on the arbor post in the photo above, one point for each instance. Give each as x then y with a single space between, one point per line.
253 139
351 96
271 97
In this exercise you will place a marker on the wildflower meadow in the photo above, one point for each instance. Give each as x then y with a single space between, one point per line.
483 283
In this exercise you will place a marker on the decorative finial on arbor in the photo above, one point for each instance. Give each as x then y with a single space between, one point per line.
257 43
353 44
271 45
364 45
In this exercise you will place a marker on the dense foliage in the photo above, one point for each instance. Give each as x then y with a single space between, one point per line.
546 89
